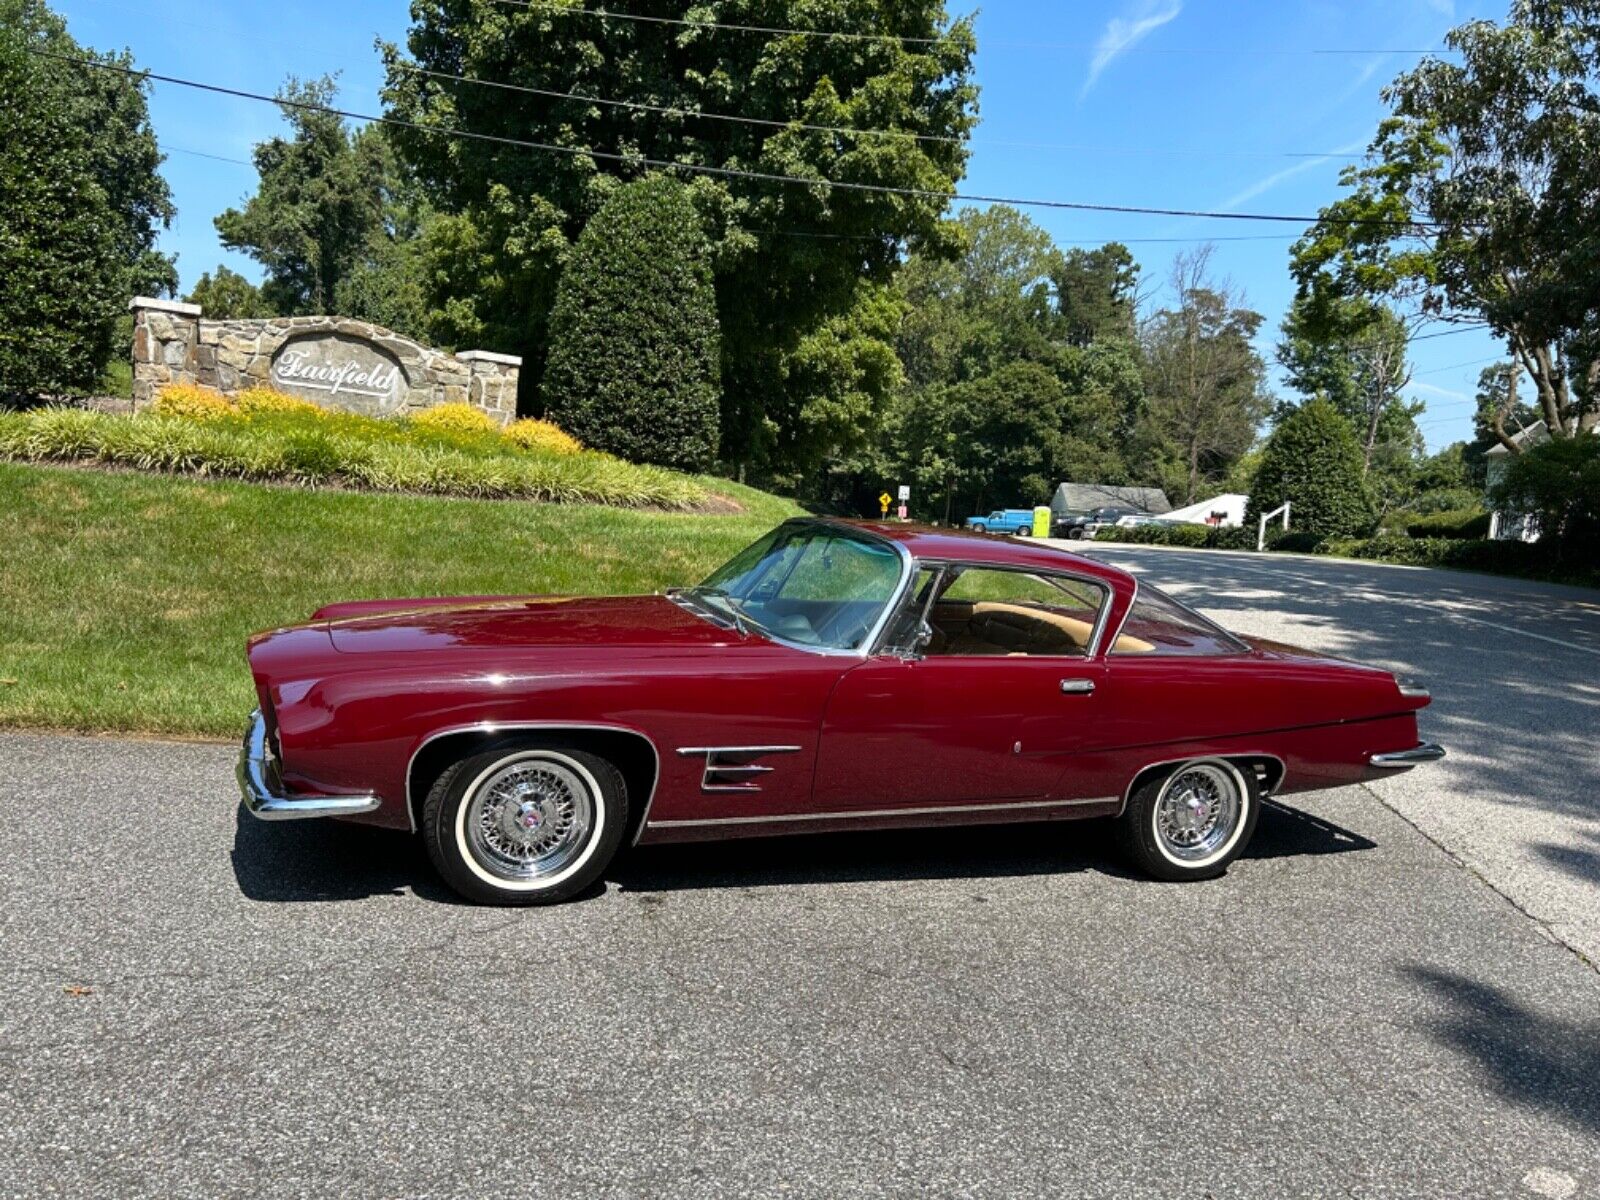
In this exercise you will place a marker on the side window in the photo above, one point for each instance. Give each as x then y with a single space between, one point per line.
1158 624
985 611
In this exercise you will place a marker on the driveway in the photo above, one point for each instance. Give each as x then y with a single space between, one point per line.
1514 667
193 1003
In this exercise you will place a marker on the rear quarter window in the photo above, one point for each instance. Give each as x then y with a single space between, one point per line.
1158 625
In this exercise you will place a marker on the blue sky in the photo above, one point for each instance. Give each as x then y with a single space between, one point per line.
1233 105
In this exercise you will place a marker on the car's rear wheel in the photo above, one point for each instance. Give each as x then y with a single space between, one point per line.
525 823
980 527
1075 534
1191 821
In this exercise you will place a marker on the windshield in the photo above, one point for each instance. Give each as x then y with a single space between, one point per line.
817 585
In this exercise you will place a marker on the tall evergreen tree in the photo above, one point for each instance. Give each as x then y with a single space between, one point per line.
633 366
63 278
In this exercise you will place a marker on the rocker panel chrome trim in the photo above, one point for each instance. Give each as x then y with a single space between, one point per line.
863 814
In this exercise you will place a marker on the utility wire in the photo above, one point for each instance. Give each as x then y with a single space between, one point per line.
905 134
556 9
706 169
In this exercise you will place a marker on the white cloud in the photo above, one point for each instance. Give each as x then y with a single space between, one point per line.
1124 32
1428 389
1271 181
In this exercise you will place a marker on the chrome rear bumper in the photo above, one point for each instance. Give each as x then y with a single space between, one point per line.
1423 752
262 791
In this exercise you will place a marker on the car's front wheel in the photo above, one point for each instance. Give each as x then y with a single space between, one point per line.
525 823
1191 821
979 527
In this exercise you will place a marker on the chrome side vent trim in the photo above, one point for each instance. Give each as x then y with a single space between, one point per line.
734 768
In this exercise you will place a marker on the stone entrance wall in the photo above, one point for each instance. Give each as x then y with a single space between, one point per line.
334 361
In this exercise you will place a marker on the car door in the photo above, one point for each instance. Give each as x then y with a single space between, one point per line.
989 712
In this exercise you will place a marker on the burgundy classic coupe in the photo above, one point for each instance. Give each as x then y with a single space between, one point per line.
834 675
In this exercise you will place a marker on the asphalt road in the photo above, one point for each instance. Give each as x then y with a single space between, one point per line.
196 1004
1514 668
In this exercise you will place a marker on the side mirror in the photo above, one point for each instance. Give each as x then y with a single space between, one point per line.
919 641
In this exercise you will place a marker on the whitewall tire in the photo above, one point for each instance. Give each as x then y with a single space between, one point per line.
525 823
1191 820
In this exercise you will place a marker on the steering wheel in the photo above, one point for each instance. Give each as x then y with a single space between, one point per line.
841 631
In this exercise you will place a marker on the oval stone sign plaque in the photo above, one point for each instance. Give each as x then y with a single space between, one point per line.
340 371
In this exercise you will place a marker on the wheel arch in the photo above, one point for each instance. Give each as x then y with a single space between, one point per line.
1267 769
630 751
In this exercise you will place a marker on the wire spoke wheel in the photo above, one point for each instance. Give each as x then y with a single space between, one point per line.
529 820
1198 811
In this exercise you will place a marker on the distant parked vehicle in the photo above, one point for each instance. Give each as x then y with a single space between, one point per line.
1085 525
1004 520
1134 520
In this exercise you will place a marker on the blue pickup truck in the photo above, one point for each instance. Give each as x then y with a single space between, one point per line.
1004 520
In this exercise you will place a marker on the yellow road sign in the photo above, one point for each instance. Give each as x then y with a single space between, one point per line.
884 500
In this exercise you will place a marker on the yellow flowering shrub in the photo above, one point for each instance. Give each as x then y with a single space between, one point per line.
542 435
269 400
455 418
192 402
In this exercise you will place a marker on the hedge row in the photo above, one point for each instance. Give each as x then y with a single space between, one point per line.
1525 559
1198 537
1471 524
357 453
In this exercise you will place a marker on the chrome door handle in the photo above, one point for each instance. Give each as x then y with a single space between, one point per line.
1077 687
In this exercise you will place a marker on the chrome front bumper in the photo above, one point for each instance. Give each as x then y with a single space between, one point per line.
262 790
1423 752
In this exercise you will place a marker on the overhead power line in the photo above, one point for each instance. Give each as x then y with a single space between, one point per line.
903 134
556 8
700 168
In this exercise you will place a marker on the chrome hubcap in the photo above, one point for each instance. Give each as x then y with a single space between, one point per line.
529 819
1198 811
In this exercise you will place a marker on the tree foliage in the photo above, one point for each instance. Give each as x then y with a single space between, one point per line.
56 223
228 296
633 366
788 259
1205 382
82 202
1313 461
1478 199
1558 483
319 205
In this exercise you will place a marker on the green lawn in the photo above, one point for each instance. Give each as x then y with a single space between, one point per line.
125 598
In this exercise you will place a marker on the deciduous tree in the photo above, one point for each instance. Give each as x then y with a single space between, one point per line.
1204 380
882 110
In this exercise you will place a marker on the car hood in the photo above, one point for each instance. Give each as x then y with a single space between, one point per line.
621 622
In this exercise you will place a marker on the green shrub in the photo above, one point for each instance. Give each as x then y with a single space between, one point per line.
1558 484
1445 500
1296 541
634 346
1180 534
1464 524
1527 559
1312 460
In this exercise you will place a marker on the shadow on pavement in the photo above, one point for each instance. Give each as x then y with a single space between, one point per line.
1536 1060
978 852
331 860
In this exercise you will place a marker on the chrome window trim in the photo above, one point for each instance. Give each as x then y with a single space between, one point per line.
1283 769
1104 585
1244 648
870 638
873 813
493 727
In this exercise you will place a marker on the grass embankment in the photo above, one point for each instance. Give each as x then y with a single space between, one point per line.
452 450
125 598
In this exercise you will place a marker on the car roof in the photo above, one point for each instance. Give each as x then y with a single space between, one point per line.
960 545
